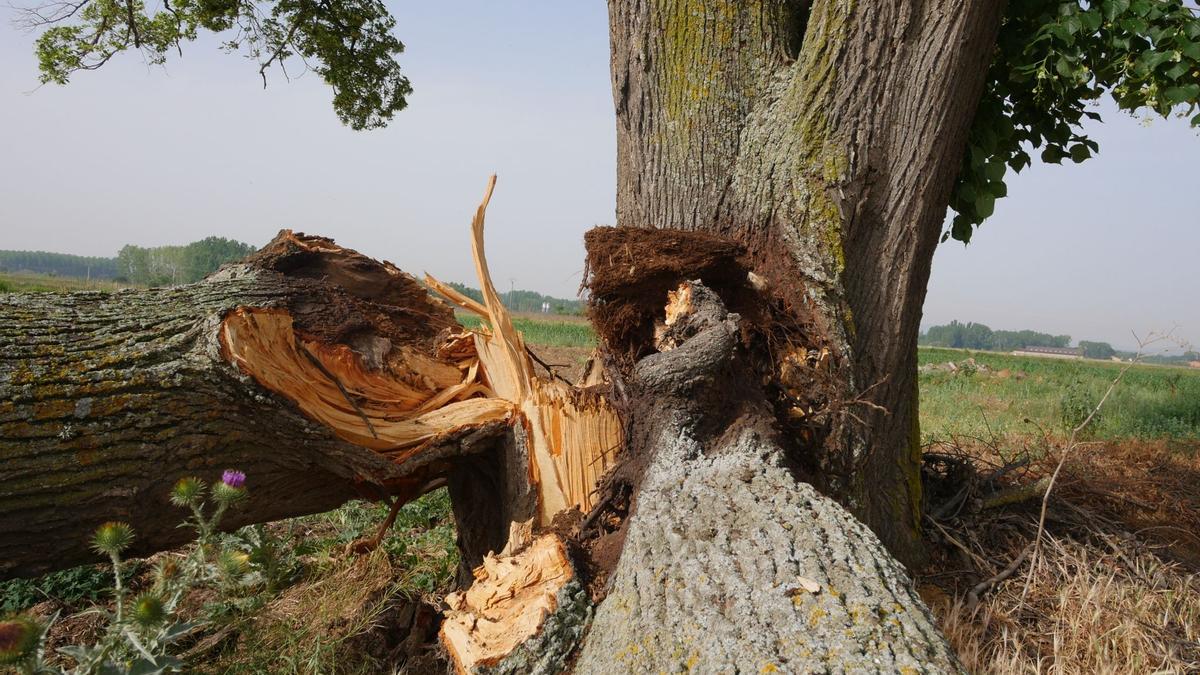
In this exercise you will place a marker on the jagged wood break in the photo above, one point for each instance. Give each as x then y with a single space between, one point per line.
324 374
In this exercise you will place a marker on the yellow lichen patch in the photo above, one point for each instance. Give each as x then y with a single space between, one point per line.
506 605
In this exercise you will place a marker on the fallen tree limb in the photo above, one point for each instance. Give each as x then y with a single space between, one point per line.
310 367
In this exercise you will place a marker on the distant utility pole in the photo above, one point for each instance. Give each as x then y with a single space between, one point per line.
512 293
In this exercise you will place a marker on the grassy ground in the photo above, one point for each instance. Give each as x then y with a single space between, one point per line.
11 282
542 332
1029 396
321 609
1114 592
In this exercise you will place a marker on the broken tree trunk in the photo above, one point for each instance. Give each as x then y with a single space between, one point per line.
825 137
324 374
726 561
310 367
730 563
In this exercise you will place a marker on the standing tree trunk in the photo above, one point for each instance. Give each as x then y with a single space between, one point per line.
825 137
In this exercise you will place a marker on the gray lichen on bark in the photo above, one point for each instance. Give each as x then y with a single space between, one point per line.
710 579
731 564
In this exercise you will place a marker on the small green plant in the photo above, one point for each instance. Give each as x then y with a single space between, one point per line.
83 584
1076 404
140 631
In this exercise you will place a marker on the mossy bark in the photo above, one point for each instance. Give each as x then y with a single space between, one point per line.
108 398
826 137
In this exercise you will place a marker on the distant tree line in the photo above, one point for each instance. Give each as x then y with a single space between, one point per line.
978 336
58 264
146 266
972 335
169 265
525 301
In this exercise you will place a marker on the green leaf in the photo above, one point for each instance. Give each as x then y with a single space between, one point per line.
1052 154
1135 25
1196 121
1091 20
1064 67
1080 152
1176 71
998 189
994 170
1021 160
1186 93
1113 8
960 229
1152 60
985 205
966 193
1064 34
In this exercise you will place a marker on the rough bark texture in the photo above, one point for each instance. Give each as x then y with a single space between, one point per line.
730 564
825 136
106 399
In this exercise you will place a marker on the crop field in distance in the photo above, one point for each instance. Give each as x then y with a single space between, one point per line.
989 395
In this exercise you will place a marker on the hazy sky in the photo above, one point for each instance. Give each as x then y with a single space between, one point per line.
147 155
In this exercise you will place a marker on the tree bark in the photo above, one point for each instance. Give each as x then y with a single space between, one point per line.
106 399
729 564
825 137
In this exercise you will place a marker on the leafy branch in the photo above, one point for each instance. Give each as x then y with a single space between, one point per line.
348 43
1053 60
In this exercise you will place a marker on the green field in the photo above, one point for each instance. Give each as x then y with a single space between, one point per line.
546 333
1054 394
23 282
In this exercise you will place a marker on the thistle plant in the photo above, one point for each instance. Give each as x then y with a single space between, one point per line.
190 492
21 644
140 632
111 539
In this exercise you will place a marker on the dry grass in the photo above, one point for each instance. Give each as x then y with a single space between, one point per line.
1116 588
354 619
1085 613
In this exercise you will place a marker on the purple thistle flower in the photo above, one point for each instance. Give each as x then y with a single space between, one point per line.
233 478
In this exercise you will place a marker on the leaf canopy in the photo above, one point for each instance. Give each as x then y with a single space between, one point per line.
349 43
1054 59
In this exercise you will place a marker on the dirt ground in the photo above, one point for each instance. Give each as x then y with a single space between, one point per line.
567 362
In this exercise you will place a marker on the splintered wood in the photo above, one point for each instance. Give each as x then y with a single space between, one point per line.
416 399
508 603
573 432
397 399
